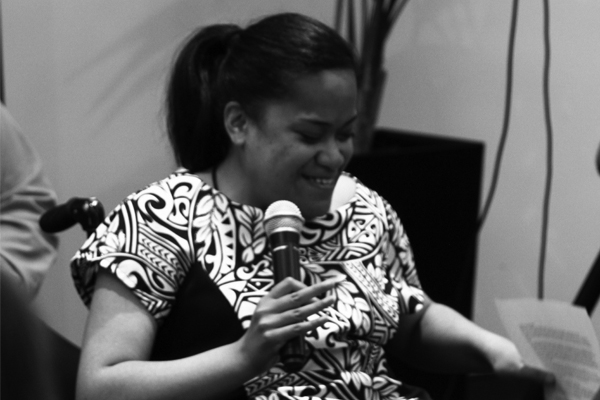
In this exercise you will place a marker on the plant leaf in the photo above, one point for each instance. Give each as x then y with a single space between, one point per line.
351 25
339 8
364 21
396 11
376 20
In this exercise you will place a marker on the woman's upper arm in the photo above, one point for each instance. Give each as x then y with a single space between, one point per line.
408 331
119 328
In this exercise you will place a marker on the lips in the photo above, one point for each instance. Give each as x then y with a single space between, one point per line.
326 183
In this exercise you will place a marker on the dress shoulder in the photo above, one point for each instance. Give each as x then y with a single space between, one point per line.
146 242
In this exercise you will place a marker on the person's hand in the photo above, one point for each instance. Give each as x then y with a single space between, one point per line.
282 315
538 375
507 360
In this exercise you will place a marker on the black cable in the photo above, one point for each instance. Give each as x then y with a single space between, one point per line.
506 122
548 121
2 99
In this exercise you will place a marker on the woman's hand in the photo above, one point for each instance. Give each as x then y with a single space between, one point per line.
506 360
503 354
441 340
281 315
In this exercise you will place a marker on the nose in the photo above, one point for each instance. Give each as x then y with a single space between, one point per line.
333 154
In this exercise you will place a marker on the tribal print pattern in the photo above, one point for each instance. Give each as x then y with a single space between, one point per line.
156 235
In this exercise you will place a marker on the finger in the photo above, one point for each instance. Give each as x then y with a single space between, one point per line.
537 374
288 332
290 285
286 286
307 295
302 313
322 287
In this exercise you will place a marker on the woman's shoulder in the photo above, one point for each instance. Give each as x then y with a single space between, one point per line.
171 198
177 184
179 177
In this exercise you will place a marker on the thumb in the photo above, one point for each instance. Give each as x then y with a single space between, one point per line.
537 374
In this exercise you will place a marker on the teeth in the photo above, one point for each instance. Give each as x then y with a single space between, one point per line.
321 181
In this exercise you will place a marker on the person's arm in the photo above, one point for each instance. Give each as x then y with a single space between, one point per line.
120 332
439 339
26 252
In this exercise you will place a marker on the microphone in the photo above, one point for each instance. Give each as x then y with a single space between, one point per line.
283 223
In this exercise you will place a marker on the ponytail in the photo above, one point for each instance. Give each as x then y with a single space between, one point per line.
194 109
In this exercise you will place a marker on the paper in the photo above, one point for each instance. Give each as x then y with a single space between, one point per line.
557 337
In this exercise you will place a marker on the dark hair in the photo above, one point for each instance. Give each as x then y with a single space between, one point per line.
224 62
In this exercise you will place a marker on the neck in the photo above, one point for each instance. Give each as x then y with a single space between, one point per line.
231 181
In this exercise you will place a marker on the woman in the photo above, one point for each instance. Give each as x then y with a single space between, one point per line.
184 302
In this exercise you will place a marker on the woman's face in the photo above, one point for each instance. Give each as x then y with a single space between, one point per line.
301 145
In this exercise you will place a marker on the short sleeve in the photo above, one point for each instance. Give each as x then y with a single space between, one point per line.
401 264
146 243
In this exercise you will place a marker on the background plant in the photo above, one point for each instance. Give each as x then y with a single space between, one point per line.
367 25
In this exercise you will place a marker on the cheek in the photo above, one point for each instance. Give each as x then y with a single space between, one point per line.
291 157
347 150
275 166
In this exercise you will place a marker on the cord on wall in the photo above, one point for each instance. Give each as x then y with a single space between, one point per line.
549 137
1 60
506 119
549 148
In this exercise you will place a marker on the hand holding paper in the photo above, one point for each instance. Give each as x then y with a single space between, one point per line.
538 374
555 337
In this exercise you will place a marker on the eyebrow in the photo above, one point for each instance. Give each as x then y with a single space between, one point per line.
327 124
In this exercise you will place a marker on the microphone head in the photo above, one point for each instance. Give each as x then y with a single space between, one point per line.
283 214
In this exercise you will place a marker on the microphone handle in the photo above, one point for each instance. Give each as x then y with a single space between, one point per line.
286 262
88 212
58 219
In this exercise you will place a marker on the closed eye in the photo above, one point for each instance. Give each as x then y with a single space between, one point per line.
345 135
309 137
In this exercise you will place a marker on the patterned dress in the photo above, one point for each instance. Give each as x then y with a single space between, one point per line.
152 240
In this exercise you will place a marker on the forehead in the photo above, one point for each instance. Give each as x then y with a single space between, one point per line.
324 86
329 95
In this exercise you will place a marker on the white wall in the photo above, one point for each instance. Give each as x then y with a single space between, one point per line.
85 81
448 71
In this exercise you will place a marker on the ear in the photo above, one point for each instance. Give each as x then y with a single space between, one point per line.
236 122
